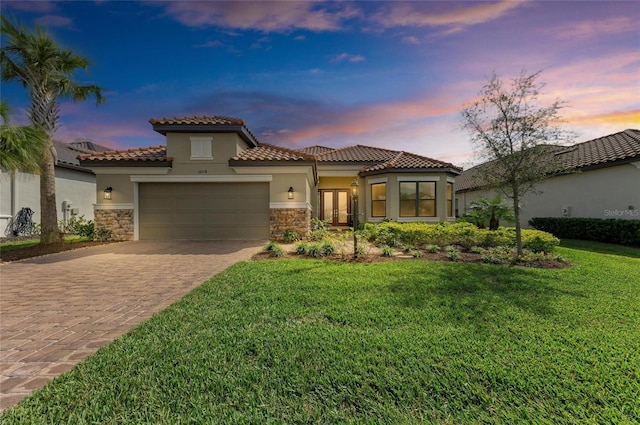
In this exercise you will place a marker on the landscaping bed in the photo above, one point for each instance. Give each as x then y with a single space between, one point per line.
14 249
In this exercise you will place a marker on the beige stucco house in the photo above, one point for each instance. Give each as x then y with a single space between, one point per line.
603 181
214 180
75 186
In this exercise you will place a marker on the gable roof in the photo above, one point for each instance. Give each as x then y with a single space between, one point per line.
607 151
151 156
271 153
67 153
314 150
204 124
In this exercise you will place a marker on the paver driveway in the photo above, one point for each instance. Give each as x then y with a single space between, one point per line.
58 309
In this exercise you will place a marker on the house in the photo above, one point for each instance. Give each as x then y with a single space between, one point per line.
602 181
75 186
214 180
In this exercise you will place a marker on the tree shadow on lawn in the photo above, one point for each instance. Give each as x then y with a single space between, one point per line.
601 248
478 294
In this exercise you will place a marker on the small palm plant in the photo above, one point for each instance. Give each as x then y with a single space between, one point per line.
492 211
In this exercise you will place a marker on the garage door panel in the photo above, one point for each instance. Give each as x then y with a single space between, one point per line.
204 211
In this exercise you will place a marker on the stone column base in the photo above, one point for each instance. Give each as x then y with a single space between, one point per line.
118 221
297 219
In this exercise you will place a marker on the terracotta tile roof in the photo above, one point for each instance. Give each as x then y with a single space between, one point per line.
358 153
614 147
601 152
266 152
409 161
150 154
315 150
204 123
203 120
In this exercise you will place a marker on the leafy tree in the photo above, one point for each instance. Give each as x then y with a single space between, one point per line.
510 129
491 211
46 70
21 147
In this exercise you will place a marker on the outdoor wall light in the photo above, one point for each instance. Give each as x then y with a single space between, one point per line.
290 192
106 194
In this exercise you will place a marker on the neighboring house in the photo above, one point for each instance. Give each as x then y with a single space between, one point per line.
214 180
75 186
603 181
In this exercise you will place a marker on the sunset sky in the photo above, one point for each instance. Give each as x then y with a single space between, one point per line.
386 74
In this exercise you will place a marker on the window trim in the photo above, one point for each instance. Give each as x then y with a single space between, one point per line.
417 199
383 201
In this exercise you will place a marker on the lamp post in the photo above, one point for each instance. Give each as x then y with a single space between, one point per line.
354 213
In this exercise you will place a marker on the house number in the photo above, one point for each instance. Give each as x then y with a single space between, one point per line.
202 171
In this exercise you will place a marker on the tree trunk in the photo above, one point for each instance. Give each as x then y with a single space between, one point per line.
516 213
49 232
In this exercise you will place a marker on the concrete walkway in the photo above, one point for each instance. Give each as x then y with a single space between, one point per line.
58 309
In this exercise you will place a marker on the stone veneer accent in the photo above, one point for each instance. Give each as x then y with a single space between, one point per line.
281 219
120 222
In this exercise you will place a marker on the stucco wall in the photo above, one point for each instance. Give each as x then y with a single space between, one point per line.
76 187
224 147
600 193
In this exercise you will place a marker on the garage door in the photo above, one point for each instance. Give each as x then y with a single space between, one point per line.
215 211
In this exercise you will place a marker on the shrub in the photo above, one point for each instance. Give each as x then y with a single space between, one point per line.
609 230
80 226
415 253
539 241
477 250
387 251
327 248
301 248
290 235
102 234
432 249
362 251
272 247
314 250
453 253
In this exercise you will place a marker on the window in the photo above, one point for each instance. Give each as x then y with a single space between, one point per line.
449 199
379 200
417 199
201 148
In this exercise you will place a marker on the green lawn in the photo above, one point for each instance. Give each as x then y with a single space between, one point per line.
309 341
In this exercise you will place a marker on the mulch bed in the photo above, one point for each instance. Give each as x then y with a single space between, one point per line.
375 256
39 250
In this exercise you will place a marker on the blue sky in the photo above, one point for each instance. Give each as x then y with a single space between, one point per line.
388 74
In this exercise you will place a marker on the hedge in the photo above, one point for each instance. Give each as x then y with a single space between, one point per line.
464 234
608 230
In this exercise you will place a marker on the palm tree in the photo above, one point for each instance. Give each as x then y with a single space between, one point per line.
46 70
492 210
21 147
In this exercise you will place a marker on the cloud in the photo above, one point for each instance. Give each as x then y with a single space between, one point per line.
56 21
414 15
591 29
347 57
262 16
411 40
30 6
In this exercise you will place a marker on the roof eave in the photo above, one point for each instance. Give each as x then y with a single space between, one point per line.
411 170
207 128
267 163
125 163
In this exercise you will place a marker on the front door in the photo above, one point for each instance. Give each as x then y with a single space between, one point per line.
335 206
